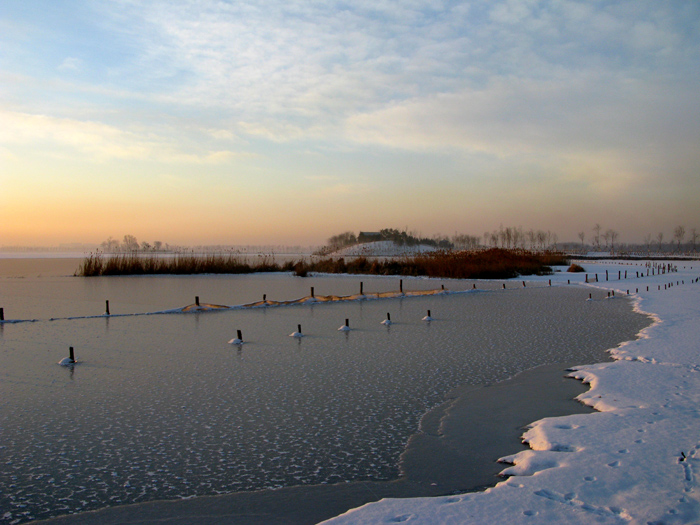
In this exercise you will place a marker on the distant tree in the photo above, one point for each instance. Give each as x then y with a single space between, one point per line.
647 241
541 239
679 234
532 238
130 243
552 239
342 239
157 245
596 236
694 237
660 239
612 235
110 245
146 246
465 242
582 236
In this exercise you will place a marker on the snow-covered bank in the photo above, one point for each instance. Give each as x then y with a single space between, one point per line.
637 460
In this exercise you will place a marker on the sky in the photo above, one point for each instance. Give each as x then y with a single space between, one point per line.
285 122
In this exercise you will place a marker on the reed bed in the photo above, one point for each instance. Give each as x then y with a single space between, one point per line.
494 263
178 264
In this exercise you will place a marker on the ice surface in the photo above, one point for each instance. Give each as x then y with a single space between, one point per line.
634 461
161 407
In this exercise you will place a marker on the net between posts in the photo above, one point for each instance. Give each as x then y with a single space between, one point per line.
310 299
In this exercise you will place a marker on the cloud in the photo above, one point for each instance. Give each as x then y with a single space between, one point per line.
70 64
64 137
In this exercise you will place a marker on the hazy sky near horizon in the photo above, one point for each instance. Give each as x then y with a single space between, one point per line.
257 122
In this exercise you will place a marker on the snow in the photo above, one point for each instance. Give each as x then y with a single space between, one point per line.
381 249
632 461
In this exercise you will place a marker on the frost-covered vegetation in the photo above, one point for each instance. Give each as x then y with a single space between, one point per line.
494 263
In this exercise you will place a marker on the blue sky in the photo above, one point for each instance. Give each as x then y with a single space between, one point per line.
286 122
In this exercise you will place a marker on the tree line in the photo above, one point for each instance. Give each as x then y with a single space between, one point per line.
600 239
130 244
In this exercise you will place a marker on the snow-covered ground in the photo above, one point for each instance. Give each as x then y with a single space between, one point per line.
381 249
636 460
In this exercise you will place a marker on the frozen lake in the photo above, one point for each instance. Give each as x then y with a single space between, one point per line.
162 407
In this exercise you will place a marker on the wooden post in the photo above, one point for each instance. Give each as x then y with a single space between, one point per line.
428 313
504 286
312 291
388 316
474 286
71 355
299 328
361 286
606 275
196 300
240 335
550 282
2 314
443 287
401 285
523 284
264 297
568 281
107 307
347 323
586 277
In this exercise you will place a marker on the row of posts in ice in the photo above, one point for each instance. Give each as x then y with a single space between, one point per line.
651 270
238 340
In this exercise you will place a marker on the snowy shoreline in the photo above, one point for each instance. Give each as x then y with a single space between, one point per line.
632 461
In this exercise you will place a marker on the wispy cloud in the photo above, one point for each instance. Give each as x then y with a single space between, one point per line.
70 64
99 142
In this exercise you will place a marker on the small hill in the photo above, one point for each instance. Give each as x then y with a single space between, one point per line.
381 249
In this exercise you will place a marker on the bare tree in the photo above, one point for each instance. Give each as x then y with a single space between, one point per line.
130 243
541 239
110 245
532 238
606 237
596 237
612 235
660 239
679 234
157 245
552 239
465 242
694 237
647 241
582 236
